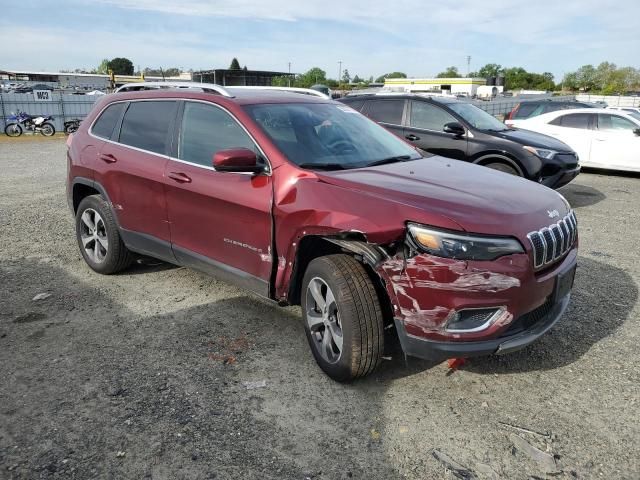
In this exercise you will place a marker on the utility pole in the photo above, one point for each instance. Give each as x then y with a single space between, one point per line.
339 71
289 73
468 65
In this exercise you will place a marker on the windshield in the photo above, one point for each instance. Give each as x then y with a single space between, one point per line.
476 117
328 136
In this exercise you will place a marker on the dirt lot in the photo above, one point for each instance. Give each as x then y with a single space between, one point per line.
142 375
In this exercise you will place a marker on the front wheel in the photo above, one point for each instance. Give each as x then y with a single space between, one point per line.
342 317
13 130
502 167
47 129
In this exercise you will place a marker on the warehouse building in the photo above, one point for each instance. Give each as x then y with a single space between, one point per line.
454 86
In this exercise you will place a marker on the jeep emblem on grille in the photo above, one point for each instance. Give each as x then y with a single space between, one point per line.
553 213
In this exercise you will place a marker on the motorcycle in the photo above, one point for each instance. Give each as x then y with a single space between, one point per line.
23 121
72 126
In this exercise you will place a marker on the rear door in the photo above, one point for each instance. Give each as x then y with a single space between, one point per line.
387 112
131 168
574 129
220 221
615 144
425 124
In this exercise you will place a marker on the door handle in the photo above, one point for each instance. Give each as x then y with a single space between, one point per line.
412 137
107 157
180 177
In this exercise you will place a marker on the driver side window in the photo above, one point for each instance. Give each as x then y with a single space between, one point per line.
429 117
206 130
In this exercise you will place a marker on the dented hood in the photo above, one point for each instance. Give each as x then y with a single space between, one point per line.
479 199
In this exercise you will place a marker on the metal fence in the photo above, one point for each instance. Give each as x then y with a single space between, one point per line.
61 107
501 106
611 100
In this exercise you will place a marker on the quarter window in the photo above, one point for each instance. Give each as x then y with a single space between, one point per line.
386 111
103 127
146 125
573 120
429 117
614 123
206 130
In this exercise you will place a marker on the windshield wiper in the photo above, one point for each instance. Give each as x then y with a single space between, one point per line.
500 130
384 161
322 166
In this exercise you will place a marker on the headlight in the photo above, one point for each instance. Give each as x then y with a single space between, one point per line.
541 152
462 246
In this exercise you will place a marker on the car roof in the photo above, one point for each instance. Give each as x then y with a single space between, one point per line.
404 95
558 113
240 96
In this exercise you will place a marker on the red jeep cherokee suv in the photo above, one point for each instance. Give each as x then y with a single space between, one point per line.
305 201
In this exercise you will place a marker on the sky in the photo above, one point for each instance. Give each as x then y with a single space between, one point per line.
420 38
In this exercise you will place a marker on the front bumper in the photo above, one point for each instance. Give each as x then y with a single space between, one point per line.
561 178
441 350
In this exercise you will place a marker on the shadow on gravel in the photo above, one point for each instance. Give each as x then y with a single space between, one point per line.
602 299
581 195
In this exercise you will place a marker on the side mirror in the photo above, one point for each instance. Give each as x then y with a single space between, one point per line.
637 131
455 128
239 160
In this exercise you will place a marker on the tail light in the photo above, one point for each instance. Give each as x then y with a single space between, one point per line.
512 113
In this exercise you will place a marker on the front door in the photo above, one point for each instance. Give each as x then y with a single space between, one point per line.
220 222
574 129
425 130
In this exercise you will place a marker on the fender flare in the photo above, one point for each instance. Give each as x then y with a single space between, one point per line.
502 157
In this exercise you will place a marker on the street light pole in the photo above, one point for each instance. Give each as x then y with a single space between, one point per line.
339 71
289 73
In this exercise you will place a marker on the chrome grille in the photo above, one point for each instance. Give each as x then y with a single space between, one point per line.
552 242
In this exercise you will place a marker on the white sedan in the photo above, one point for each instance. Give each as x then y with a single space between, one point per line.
602 138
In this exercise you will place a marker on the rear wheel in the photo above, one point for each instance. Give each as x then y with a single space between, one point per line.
47 129
502 167
343 317
13 130
98 237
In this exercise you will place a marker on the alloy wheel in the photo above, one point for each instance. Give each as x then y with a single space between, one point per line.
323 320
93 234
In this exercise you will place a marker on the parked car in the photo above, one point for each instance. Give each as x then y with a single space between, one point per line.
603 138
533 108
304 201
445 126
31 88
633 111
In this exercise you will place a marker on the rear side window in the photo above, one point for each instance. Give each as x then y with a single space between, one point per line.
106 122
387 111
525 110
356 105
146 125
429 117
573 120
206 130
615 123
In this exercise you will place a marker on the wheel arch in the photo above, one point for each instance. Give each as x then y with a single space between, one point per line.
485 158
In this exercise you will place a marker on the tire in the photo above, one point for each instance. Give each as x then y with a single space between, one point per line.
13 130
502 167
47 129
101 247
352 313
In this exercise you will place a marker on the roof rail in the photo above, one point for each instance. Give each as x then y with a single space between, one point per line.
306 91
205 87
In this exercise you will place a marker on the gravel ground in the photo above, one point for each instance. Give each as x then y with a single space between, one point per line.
142 374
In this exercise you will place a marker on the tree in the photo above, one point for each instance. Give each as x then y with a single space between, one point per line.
450 72
103 68
357 79
490 70
381 78
346 78
235 64
587 77
311 77
121 66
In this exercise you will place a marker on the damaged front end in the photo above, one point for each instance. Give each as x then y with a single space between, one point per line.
454 307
